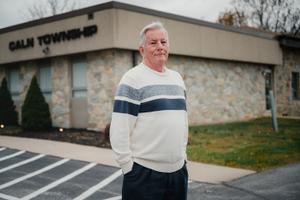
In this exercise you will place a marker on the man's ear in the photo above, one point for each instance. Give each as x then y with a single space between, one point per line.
141 49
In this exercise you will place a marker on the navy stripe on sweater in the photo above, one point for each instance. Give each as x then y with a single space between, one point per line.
126 107
163 104
150 106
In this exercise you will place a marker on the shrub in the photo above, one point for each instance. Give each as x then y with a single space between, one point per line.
8 113
35 110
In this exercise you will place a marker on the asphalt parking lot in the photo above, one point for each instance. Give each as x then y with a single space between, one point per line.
25 175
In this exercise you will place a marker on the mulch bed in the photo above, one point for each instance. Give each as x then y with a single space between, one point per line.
77 136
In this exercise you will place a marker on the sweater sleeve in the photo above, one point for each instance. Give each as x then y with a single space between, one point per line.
125 111
186 134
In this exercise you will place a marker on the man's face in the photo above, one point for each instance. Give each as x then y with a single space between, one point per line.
155 50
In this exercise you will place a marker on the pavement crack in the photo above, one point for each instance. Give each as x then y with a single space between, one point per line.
246 191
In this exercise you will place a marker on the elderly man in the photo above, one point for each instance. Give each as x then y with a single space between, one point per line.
149 127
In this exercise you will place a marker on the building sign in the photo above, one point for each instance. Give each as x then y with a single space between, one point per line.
52 38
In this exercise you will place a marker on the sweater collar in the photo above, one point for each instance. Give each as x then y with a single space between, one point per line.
164 73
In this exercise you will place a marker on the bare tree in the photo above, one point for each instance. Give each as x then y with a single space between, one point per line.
232 18
41 9
274 15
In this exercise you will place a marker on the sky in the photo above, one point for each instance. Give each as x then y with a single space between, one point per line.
13 12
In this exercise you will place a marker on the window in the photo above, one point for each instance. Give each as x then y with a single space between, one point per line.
79 78
268 87
295 86
45 79
14 84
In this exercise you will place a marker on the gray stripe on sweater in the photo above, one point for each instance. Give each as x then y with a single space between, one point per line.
129 92
155 90
149 91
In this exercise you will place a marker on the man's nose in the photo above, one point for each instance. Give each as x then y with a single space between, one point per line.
160 45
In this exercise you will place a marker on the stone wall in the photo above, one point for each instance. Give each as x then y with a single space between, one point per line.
221 91
105 69
217 91
27 71
291 63
61 93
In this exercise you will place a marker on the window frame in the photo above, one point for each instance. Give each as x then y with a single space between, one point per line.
77 90
295 92
48 91
14 94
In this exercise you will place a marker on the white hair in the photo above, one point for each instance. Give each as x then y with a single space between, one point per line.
151 26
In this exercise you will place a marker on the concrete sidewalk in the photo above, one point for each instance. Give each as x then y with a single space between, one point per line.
197 171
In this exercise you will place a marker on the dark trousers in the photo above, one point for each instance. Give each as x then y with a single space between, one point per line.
142 183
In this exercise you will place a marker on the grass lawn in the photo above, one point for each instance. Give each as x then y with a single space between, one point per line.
249 145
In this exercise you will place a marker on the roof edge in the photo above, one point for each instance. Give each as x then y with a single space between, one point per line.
134 8
289 41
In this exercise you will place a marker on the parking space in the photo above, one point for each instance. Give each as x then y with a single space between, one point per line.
25 175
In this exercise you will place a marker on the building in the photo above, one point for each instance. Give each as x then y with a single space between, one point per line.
80 56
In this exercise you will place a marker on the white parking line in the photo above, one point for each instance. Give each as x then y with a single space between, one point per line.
22 178
100 185
12 155
114 198
3 148
59 181
8 197
21 163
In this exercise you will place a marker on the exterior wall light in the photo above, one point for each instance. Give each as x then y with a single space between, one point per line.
61 130
2 126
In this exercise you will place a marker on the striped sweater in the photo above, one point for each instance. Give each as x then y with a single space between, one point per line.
149 121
